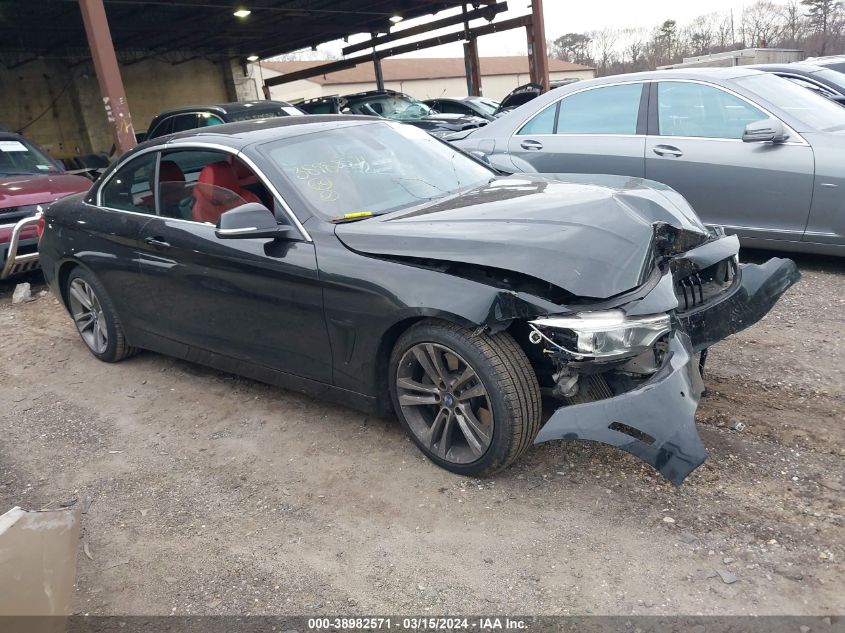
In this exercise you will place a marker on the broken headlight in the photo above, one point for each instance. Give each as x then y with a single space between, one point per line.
601 335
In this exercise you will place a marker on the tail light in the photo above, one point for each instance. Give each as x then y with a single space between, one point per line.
39 226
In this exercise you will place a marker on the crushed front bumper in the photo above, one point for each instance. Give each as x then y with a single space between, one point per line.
14 238
656 421
758 289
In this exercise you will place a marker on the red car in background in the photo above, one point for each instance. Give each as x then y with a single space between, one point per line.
29 181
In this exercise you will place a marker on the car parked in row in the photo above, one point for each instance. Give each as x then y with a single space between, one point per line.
823 81
29 180
751 152
375 265
466 106
525 93
192 117
397 106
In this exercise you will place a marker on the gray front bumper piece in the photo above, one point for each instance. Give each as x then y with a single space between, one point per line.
655 422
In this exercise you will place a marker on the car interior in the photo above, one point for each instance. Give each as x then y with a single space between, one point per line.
197 185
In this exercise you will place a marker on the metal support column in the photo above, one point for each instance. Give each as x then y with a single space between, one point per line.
538 58
473 67
379 74
108 73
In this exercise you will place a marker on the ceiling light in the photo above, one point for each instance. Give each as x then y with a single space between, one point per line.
252 58
242 13
396 18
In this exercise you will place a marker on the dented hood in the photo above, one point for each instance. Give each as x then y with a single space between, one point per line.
593 236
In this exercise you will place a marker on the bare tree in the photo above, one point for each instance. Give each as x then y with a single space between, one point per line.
701 34
794 24
724 32
633 45
762 23
604 49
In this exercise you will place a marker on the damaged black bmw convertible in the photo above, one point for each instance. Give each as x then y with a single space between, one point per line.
367 262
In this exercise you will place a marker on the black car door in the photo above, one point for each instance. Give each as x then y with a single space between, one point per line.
106 234
255 300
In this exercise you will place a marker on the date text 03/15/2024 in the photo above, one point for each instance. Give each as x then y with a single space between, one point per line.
418 623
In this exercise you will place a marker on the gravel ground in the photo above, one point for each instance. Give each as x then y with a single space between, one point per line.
207 493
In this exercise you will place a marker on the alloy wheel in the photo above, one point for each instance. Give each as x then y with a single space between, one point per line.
444 403
88 315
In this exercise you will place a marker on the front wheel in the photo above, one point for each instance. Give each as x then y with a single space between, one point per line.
470 401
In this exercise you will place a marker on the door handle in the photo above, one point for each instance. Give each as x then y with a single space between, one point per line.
667 150
156 241
531 145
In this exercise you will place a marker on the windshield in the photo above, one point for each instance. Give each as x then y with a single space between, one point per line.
396 107
372 168
813 111
21 157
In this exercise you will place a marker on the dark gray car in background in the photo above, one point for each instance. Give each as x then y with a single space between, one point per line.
750 151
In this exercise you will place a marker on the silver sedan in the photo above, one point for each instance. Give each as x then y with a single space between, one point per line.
750 151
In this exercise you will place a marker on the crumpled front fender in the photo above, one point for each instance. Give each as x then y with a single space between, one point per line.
654 422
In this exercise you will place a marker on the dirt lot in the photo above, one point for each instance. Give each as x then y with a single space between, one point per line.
214 494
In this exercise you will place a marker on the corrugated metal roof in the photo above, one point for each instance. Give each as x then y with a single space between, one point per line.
54 28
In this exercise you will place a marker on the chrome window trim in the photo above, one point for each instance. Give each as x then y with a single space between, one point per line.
575 92
167 146
657 80
642 136
734 94
722 140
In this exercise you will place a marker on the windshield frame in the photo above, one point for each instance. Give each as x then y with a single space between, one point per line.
292 191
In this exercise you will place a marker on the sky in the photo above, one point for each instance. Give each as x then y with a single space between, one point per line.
566 16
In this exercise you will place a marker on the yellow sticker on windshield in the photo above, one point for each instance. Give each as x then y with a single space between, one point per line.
352 216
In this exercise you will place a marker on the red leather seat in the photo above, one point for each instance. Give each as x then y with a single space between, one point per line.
168 172
244 173
217 190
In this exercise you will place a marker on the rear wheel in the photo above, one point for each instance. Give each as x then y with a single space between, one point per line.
95 317
469 401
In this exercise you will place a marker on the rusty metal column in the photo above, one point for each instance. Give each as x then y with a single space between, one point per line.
108 73
538 56
473 68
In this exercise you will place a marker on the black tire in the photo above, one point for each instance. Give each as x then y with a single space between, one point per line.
114 348
503 370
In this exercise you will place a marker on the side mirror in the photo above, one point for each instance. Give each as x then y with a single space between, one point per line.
248 221
765 131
